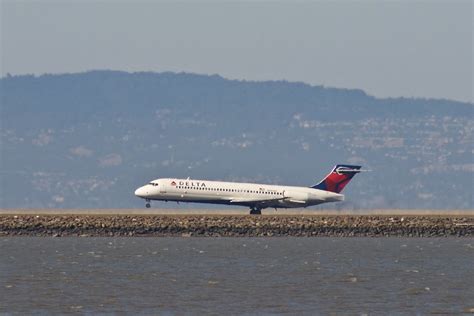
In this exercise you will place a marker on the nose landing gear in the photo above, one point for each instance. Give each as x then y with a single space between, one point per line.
147 205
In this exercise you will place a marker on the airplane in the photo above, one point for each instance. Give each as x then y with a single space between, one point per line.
252 195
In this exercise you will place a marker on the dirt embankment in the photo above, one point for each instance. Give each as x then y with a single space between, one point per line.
235 226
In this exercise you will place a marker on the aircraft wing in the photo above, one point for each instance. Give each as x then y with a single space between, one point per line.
255 200
297 201
259 202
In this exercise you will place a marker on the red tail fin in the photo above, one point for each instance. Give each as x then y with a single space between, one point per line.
338 178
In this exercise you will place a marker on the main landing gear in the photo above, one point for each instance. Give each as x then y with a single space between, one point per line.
147 205
255 211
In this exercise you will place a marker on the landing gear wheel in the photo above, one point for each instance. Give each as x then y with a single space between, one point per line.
147 204
255 211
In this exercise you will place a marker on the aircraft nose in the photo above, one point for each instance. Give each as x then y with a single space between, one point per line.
141 192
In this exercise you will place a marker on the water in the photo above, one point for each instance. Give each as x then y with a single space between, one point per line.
236 275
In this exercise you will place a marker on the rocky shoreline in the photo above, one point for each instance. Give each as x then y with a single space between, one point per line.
235 226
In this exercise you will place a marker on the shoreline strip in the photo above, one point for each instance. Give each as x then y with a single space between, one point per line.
235 226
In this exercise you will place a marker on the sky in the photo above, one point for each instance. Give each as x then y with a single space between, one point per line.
388 49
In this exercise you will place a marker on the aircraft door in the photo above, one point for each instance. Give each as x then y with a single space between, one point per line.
162 186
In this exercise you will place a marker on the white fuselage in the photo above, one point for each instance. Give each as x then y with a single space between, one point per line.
233 193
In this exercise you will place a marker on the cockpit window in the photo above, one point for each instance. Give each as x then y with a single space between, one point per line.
153 184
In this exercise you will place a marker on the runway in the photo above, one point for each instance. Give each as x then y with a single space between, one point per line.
234 211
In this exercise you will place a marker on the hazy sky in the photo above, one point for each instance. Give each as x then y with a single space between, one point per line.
405 48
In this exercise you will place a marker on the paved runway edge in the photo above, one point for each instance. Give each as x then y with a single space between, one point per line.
239 211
